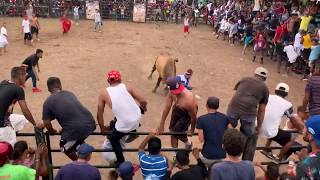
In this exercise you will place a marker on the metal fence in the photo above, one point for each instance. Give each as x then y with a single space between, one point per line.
44 137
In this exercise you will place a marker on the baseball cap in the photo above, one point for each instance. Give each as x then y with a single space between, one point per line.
84 150
283 87
313 127
189 72
126 169
174 85
261 71
114 75
5 151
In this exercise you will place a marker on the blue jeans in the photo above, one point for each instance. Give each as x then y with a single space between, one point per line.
248 129
31 74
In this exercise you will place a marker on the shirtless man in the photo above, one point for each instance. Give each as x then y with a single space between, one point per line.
35 26
123 103
184 112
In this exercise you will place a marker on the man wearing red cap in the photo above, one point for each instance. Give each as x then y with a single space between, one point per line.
122 101
184 111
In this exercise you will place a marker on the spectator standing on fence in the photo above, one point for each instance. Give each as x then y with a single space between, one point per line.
122 101
309 168
211 128
80 169
305 20
35 27
184 112
292 55
307 44
232 167
20 172
76 14
76 121
153 165
298 47
26 31
314 54
311 98
3 39
11 92
190 172
248 105
278 107
30 65
97 21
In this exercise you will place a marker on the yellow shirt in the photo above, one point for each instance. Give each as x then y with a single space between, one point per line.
307 41
305 20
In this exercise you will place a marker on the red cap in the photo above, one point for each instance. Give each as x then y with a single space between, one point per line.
113 76
5 151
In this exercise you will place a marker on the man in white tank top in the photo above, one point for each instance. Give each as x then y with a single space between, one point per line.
123 103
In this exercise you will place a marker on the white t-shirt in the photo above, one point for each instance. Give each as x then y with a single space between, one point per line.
3 35
124 108
291 53
297 41
76 11
97 17
26 26
256 5
186 21
276 108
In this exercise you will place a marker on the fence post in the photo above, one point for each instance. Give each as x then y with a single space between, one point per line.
47 136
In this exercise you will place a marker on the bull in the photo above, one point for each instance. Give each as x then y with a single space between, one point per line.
165 66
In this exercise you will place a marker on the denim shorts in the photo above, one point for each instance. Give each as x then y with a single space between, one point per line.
248 124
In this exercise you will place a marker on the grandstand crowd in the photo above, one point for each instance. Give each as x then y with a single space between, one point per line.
286 32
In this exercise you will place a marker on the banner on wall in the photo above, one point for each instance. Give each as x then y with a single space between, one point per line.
139 11
91 7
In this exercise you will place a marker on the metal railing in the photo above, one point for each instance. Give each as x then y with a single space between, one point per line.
45 137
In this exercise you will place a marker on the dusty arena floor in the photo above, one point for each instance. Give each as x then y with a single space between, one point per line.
82 58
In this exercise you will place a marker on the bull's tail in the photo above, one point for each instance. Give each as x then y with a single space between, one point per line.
153 69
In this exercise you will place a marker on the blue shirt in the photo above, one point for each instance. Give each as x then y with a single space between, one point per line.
315 52
213 126
184 80
227 170
78 171
153 165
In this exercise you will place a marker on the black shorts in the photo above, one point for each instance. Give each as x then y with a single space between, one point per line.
306 54
34 30
282 138
70 146
180 121
27 36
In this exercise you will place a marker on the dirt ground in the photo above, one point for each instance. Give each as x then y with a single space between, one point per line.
82 58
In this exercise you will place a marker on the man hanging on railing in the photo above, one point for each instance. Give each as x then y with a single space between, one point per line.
76 120
184 112
122 101
10 93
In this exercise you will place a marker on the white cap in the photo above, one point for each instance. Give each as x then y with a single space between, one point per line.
261 71
283 87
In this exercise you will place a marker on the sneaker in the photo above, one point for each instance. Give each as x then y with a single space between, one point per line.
268 154
36 90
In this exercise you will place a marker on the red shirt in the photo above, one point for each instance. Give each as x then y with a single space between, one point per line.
278 34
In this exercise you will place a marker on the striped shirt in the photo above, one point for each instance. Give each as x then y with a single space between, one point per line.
313 87
153 165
